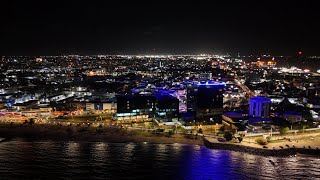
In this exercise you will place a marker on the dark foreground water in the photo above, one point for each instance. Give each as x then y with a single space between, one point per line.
23 159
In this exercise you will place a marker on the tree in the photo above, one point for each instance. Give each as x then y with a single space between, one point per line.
31 121
303 127
228 136
284 130
170 133
268 139
221 130
262 141
240 138
308 116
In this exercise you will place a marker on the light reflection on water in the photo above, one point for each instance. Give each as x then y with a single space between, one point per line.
100 151
176 148
72 148
42 159
161 148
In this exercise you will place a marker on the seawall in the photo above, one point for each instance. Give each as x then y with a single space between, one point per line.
260 151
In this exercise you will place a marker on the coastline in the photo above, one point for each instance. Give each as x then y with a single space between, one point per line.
111 135
116 135
260 151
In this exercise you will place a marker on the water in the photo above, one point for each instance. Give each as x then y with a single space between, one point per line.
98 160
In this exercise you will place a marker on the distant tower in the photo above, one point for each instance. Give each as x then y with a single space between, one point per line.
300 59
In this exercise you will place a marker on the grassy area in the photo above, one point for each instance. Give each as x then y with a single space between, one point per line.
278 140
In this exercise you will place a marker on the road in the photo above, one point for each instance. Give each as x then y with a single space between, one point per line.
244 87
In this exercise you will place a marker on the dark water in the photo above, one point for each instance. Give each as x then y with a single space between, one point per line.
22 159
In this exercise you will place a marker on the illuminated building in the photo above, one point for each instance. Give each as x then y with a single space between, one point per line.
260 107
205 99
271 63
107 106
160 105
260 63
97 72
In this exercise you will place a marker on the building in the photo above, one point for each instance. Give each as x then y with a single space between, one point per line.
167 106
56 97
260 107
129 107
26 105
313 103
102 106
157 105
292 116
205 99
76 104
44 111
235 121
78 91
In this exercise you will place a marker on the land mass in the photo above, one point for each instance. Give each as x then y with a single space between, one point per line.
123 135
84 133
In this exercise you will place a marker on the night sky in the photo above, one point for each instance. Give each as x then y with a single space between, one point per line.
158 27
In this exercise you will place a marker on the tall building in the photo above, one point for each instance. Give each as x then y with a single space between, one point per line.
205 99
131 105
158 105
167 106
260 107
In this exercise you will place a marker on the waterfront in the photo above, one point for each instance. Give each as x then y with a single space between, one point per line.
20 158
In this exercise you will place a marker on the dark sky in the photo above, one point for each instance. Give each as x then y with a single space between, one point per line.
158 27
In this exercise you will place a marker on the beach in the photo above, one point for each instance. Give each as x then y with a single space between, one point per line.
115 134
85 133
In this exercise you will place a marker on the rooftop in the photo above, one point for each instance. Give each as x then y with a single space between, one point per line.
260 98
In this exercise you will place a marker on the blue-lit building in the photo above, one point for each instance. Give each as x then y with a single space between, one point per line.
205 99
167 106
260 107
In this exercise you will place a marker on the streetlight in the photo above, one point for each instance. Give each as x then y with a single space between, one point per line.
216 128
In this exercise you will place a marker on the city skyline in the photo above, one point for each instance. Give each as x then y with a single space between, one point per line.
159 90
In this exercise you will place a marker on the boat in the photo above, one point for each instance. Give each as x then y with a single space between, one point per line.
273 163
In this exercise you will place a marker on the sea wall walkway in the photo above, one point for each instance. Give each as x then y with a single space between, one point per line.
210 143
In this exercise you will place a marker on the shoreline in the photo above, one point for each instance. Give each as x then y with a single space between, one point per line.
115 135
111 135
261 151
122 139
